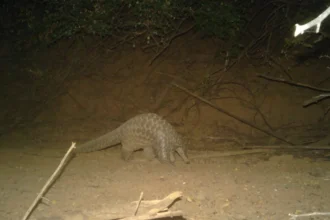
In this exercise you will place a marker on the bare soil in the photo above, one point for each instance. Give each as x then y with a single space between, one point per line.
101 184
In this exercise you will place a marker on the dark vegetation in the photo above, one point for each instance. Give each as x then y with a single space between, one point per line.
152 23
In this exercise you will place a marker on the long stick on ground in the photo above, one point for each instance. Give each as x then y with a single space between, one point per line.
49 182
231 115
230 153
138 204
162 215
293 216
290 82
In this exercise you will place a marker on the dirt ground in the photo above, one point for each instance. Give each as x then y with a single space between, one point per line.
267 185
256 186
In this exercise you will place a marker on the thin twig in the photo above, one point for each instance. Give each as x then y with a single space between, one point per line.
160 98
273 60
169 43
49 182
254 104
231 115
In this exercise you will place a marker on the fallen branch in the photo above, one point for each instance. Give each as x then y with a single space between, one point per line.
296 147
316 99
231 115
323 142
290 82
235 140
49 182
138 204
294 216
168 214
230 153
157 208
164 203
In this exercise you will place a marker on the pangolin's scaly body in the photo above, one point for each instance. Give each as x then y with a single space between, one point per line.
149 132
